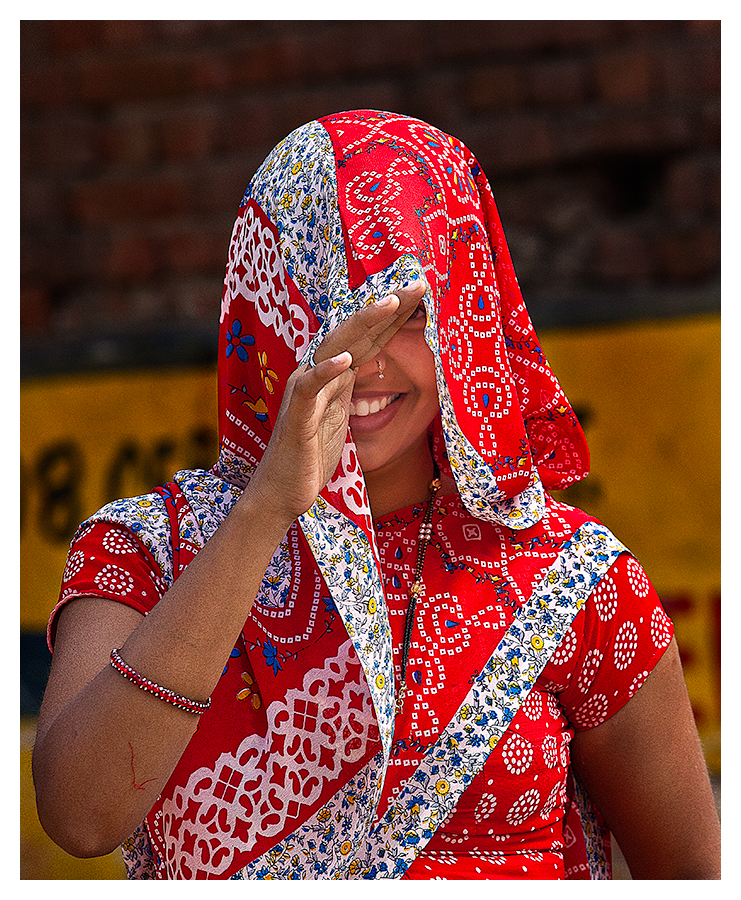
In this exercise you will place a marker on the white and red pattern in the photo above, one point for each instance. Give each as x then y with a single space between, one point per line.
293 751
533 757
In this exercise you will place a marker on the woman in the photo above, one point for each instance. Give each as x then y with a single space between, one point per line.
382 650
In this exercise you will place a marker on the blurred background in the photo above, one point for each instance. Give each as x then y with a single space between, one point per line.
601 140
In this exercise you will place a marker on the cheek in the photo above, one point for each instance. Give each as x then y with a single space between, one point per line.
419 363
425 367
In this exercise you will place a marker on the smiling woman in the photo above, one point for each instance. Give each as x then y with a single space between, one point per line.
405 659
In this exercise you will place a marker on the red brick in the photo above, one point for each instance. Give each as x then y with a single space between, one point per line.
58 144
625 75
45 87
558 82
513 143
148 197
40 200
187 136
35 310
139 138
495 87
218 188
622 255
126 78
74 36
690 68
127 141
244 124
193 249
211 72
692 185
131 255
127 33
703 26
689 255
34 40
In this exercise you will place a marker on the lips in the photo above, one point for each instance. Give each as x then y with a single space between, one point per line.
362 407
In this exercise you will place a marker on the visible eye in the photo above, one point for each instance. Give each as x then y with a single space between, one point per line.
419 314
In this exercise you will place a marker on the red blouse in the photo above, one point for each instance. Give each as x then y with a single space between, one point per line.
510 822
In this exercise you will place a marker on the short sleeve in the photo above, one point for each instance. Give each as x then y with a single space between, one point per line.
613 645
108 560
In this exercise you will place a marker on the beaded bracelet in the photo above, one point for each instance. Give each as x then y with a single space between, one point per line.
157 690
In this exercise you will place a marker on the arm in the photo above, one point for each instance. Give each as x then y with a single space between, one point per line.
105 749
645 770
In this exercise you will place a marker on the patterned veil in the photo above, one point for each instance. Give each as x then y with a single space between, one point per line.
342 211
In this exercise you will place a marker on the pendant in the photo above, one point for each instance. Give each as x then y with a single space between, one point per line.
400 699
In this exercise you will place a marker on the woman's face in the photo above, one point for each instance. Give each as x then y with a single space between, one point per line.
390 416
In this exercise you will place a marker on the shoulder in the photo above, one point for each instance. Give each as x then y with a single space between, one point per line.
145 518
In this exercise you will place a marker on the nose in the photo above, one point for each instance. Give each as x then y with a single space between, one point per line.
374 368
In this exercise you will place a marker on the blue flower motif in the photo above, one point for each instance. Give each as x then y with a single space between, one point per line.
270 652
235 652
236 341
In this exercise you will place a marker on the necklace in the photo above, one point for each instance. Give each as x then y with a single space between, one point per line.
425 535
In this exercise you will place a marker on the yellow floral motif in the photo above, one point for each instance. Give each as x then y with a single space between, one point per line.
259 407
372 606
442 787
380 681
345 848
324 815
536 642
492 742
268 375
250 690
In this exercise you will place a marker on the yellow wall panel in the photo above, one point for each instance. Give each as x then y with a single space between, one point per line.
88 439
648 395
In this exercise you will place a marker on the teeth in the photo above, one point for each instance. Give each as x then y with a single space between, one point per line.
364 408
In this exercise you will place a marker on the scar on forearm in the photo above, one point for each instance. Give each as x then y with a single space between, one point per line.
139 787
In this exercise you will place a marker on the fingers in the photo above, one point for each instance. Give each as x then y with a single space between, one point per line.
366 332
309 381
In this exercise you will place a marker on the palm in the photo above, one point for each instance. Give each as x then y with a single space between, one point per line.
311 427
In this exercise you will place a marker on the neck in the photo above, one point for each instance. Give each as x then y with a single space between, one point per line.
401 483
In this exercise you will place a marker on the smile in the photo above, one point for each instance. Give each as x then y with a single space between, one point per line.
364 408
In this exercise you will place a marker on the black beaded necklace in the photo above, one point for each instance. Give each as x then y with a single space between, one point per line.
425 535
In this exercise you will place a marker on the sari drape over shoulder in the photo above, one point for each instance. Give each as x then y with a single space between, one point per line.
285 775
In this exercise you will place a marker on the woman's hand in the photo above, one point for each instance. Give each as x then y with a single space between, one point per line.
311 428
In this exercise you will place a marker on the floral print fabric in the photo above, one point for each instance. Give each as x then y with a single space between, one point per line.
301 731
513 819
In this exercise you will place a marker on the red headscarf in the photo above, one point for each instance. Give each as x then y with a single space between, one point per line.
344 209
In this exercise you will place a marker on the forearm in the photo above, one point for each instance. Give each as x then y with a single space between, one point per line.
102 760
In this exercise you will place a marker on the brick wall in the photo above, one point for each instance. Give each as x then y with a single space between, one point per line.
601 140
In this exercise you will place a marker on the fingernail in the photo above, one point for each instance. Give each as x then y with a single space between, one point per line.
413 285
342 357
384 301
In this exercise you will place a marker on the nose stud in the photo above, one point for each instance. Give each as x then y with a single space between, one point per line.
380 368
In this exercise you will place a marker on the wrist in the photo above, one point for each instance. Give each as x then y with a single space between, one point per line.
262 507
